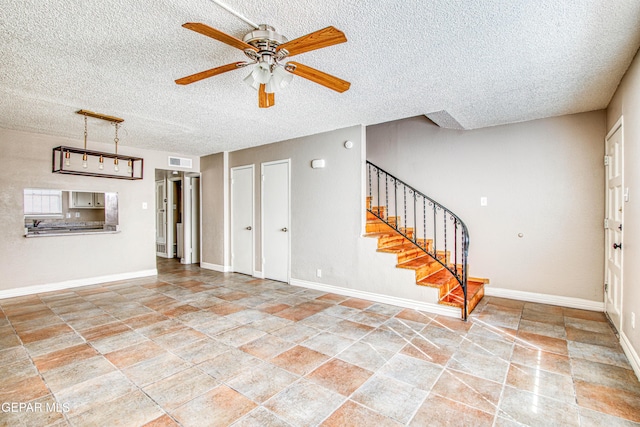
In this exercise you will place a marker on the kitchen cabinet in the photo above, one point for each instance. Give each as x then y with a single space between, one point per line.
86 200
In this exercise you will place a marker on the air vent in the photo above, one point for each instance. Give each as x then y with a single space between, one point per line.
179 162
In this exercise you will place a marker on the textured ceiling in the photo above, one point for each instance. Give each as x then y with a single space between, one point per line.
484 62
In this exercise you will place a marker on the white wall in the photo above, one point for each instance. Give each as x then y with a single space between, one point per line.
542 178
26 262
626 102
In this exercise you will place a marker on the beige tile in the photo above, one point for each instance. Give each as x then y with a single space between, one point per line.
261 417
77 372
389 397
155 369
534 410
201 350
411 370
266 347
131 409
95 391
468 389
304 403
541 382
439 411
23 390
229 364
539 359
177 389
262 381
355 415
220 406
612 401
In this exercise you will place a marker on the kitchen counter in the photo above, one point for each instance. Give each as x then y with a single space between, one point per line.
62 230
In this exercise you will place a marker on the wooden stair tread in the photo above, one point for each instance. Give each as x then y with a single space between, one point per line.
417 262
456 296
428 271
438 278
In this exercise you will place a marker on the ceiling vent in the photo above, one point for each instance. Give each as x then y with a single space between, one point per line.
179 162
444 120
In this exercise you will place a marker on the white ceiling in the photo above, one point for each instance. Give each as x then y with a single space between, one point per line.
485 62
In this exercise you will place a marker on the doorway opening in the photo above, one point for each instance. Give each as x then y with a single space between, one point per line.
178 215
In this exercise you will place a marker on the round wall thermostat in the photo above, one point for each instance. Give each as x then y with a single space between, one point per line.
348 144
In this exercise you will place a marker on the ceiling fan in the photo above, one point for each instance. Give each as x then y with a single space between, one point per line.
267 51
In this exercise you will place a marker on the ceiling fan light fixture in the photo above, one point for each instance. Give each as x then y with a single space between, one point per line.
249 80
261 73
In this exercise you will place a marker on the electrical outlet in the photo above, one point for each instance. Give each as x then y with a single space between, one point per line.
77 214
68 215
318 273
483 201
633 320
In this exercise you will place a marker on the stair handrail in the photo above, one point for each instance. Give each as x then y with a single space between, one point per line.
460 274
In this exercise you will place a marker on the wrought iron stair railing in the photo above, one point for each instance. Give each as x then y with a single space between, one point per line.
427 224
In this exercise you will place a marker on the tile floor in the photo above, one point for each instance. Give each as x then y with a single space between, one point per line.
195 347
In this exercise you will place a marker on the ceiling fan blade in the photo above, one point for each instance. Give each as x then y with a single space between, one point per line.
317 76
210 73
316 40
218 35
265 100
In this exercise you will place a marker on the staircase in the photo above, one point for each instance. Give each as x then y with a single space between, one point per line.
425 237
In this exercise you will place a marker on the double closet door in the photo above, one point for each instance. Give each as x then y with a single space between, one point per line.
274 214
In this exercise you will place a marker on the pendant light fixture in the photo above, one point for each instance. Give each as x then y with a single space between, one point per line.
93 161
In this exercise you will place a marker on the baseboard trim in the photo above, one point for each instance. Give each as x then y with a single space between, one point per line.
544 298
216 267
39 289
258 274
385 299
631 353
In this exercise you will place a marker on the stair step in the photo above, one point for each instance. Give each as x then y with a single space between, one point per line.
442 279
428 271
455 298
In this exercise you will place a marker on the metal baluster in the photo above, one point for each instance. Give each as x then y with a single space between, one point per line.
386 195
455 246
370 196
395 199
435 230
415 219
424 221
378 191
444 217
404 188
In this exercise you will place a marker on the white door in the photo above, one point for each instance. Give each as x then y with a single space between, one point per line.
614 206
275 220
161 219
242 219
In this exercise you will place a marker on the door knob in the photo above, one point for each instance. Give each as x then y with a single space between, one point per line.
248 228
285 229
617 246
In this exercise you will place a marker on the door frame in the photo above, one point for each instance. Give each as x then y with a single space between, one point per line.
172 237
253 215
188 220
262 166
163 183
619 125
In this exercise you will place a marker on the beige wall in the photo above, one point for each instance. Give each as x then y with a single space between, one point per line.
27 262
319 197
626 103
542 178
327 212
212 174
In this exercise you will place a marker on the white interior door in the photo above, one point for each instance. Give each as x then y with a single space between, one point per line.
161 219
613 224
275 220
242 219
